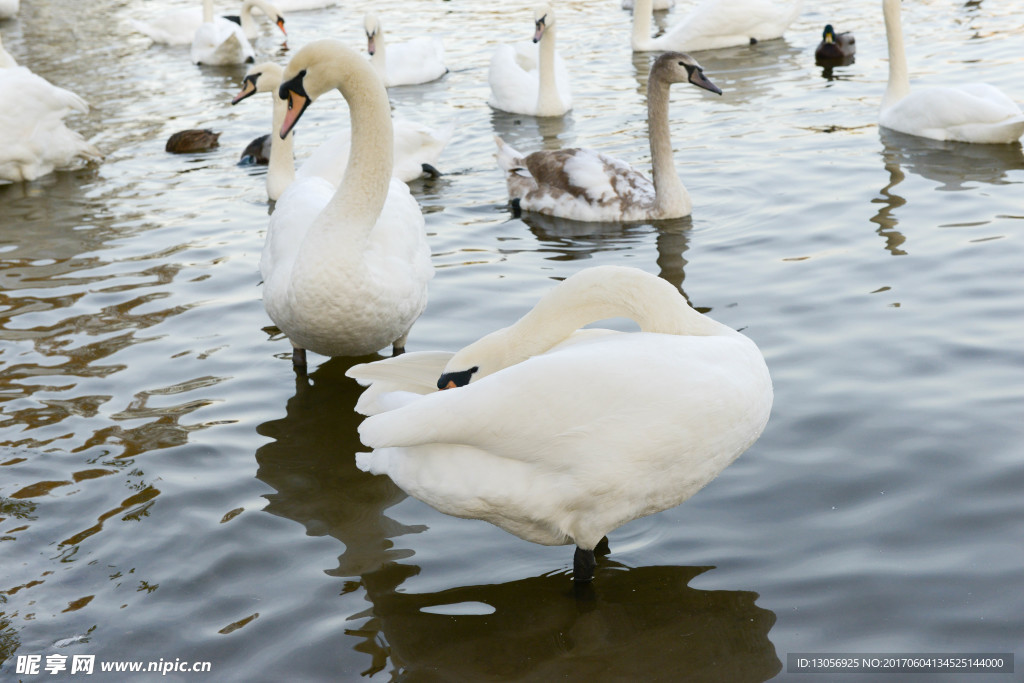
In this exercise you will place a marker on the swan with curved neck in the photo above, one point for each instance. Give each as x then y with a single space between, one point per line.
345 269
976 112
585 185
715 24
248 23
560 435
420 60
219 41
416 146
530 78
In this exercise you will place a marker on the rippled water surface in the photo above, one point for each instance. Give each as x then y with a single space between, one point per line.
169 490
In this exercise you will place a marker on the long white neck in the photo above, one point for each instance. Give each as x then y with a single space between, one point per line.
245 16
6 60
281 167
899 78
598 294
207 11
548 101
641 38
360 197
671 198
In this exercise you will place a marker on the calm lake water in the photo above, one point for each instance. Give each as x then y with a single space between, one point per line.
170 491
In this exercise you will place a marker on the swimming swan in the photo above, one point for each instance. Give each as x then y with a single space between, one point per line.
716 23
345 270
585 185
416 147
34 140
531 78
219 41
420 60
976 112
178 27
560 435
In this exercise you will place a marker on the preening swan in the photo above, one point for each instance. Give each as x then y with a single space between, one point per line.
585 185
219 41
716 23
345 270
835 46
34 140
178 27
976 112
531 78
560 435
420 60
416 147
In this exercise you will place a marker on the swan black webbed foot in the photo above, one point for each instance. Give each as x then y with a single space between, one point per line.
430 171
583 564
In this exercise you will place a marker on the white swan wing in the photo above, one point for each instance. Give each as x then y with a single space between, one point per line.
221 42
420 60
413 373
976 112
417 144
293 213
513 77
715 24
34 139
330 159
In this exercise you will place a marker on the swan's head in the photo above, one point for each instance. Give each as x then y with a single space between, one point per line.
265 77
279 20
829 34
314 70
677 67
543 20
483 357
371 24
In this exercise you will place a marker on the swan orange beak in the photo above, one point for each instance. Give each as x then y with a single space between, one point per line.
280 25
540 29
451 385
370 47
296 105
248 88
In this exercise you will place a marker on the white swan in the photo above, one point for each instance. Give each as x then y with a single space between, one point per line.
716 23
34 140
345 271
531 78
178 27
585 185
560 436
219 41
976 112
416 147
420 60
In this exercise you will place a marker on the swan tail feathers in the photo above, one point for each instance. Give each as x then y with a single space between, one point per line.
509 158
374 463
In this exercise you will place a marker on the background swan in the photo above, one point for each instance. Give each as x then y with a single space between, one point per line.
34 140
588 186
420 60
178 27
219 41
416 146
976 112
6 58
530 77
561 437
716 23
658 4
345 271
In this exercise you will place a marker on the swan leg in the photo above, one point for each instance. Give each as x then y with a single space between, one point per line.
299 360
430 171
583 563
398 346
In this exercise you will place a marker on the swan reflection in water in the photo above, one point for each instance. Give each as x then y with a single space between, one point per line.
955 166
